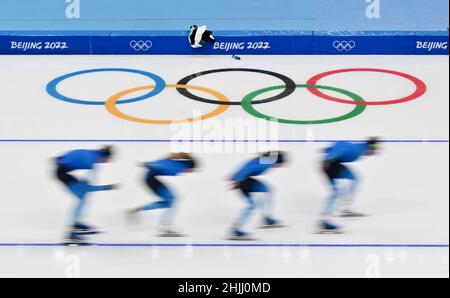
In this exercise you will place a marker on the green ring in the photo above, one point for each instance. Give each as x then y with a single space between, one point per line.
246 104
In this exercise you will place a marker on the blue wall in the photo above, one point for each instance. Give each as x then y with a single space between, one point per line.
247 26
292 15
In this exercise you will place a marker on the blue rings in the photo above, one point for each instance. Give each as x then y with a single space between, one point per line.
51 88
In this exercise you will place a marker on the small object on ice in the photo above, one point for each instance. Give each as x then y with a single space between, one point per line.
236 57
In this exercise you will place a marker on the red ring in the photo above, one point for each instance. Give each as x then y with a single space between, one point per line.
421 87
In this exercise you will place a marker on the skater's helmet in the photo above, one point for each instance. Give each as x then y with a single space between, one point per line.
106 152
373 144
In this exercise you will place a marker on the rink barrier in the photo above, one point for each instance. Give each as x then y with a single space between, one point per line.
228 43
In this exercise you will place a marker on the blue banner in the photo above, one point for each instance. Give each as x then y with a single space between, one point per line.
329 44
45 45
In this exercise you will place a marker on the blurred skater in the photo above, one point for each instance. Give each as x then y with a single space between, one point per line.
200 36
174 165
81 160
256 194
333 166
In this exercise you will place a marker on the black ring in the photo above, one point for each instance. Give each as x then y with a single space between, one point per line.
290 86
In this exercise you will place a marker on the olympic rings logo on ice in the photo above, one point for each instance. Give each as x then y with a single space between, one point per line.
141 45
344 45
248 102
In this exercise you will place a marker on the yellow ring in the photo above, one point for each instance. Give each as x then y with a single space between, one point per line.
111 105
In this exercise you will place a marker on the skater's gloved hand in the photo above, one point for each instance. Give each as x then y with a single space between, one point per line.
114 186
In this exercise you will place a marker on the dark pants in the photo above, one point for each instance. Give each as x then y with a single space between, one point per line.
251 185
247 187
336 170
158 187
62 173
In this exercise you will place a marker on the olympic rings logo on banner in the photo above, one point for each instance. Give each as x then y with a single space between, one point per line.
141 45
248 102
344 45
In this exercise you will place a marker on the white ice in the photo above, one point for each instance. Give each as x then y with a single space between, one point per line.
405 189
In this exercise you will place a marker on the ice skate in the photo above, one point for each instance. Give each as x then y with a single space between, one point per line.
170 233
74 239
238 235
82 229
351 214
327 227
270 223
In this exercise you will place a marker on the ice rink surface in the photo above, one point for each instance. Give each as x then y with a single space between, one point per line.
405 189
